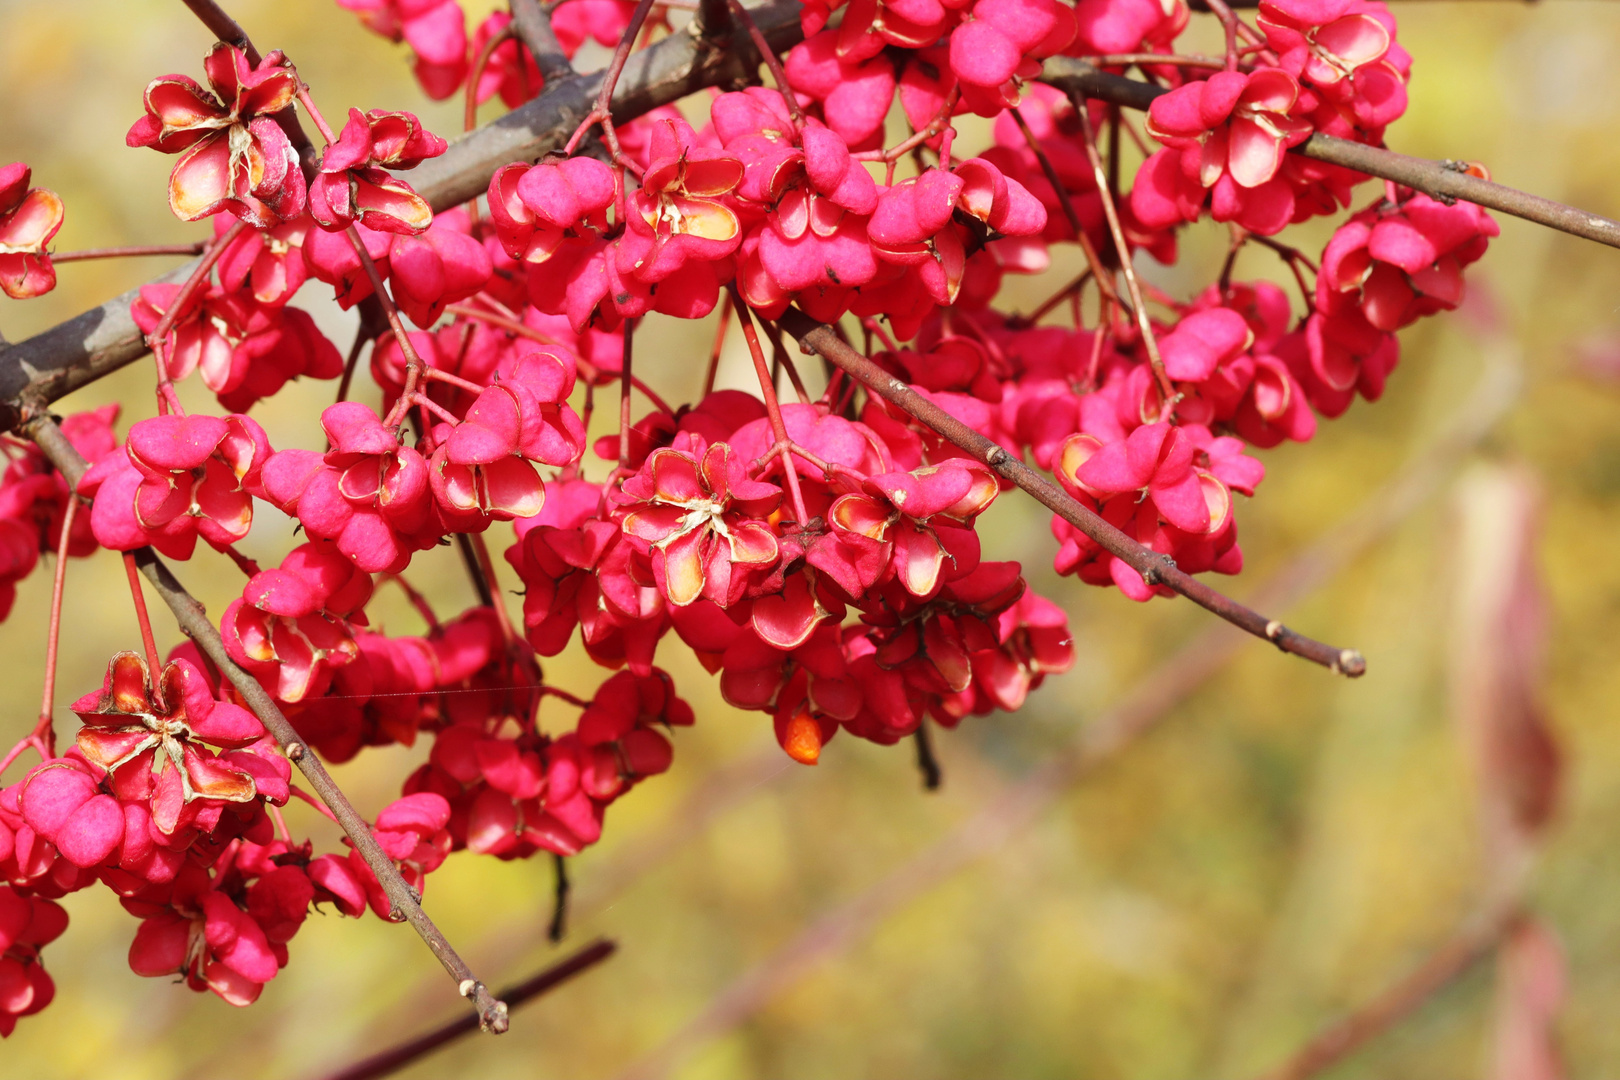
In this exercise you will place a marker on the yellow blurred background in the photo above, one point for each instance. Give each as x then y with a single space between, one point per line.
1284 846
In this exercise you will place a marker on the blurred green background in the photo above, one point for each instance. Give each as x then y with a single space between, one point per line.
1281 848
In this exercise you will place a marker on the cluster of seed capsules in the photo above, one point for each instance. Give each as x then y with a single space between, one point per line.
819 556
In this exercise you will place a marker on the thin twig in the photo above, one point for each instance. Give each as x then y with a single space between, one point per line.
773 63
486 571
154 662
193 620
719 344
781 361
371 315
157 340
475 75
414 364
397 1057
1123 248
1163 59
129 252
1105 278
927 763
732 784
773 408
417 601
1057 298
559 900
1439 179
602 111
625 377
1155 568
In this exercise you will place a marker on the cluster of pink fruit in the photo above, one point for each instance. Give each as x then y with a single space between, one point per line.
820 555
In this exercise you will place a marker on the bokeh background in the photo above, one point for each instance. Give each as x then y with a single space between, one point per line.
1281 847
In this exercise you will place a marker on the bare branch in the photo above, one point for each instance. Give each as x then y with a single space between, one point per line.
222 26
193 620
1439 179
128 252
397 1057
534 26
1155 568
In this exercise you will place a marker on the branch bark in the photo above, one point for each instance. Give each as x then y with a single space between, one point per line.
1154 567
57 361
1434 178
534 28
193 620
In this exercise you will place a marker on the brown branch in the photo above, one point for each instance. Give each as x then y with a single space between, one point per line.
1439 179
475 572
559 899
534 26
1020 803
78 352
397 1057
1154 567
713 18
193 620
1474 940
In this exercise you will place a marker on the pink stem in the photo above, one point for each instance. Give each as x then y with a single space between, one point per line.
128 252
157 340
147 640
47 704
772 407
